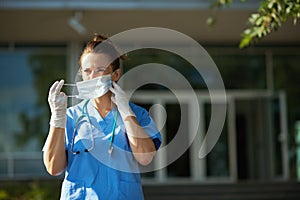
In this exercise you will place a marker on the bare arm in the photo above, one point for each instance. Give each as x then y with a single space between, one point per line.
141 144
55 159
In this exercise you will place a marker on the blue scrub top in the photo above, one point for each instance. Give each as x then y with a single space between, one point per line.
97 174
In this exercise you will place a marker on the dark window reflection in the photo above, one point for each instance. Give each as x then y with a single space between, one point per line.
176 118
217 161
179 64
242 71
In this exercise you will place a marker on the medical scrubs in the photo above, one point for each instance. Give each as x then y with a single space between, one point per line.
97 174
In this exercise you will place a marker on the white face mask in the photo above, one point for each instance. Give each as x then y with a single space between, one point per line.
91 89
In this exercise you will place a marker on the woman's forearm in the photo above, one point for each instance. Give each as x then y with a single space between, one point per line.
55 159
141 144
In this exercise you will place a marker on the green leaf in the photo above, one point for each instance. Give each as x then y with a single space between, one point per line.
247 31
245 41
259 31
253 18
210 21
271 4
259 21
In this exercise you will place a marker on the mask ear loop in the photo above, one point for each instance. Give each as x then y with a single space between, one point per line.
78 77
71 85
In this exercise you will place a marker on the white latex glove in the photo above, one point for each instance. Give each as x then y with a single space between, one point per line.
58 105
120 99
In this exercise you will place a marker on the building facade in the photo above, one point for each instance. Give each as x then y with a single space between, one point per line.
40 43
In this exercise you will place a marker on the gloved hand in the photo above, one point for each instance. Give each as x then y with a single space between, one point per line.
120 99
58 105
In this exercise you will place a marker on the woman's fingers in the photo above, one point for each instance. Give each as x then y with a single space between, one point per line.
59 86
56 87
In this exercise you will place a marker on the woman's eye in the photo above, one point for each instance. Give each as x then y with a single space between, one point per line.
100 70
86 71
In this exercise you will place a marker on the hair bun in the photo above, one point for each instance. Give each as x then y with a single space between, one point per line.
98 38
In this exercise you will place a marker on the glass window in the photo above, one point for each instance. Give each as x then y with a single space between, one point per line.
27 73
180 167
217 161
146 56
242 71
286 78
24 84
276 125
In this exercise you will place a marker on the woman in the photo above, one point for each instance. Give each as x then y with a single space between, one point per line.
100 141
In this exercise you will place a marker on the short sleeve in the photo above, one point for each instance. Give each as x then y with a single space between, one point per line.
148 124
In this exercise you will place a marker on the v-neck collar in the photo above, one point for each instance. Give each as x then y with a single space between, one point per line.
107 121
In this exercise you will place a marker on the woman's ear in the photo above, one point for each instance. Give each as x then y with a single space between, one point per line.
116 75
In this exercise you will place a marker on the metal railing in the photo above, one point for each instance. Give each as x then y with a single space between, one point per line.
22 165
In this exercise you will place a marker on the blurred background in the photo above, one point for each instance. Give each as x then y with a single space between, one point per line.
258 153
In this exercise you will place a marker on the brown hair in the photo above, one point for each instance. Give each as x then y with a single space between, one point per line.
107 48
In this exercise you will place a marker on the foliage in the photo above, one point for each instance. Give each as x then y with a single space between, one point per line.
268 18
31 190
3 194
